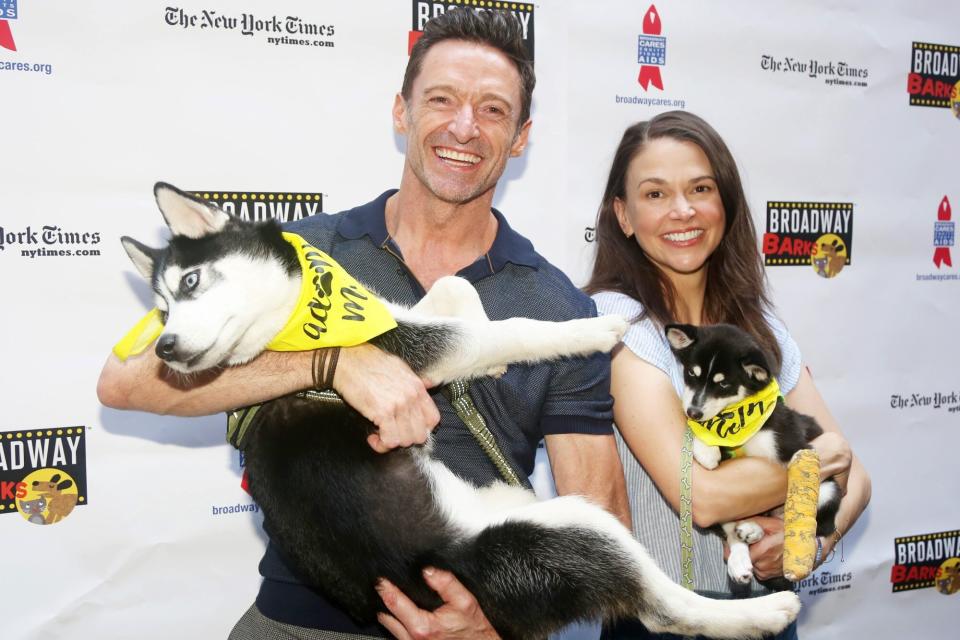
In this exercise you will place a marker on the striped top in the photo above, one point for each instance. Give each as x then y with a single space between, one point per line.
655 523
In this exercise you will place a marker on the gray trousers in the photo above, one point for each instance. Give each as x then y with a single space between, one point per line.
256 626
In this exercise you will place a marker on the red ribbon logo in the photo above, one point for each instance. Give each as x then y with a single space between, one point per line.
941 254
6 36
650 74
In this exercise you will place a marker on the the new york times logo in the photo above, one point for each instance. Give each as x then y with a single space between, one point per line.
49 240
259 206
425 10
286 30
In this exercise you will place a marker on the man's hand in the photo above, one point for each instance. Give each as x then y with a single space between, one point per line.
767 553
460 615
385 391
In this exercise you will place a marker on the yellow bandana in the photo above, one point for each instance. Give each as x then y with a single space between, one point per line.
333 310
737 423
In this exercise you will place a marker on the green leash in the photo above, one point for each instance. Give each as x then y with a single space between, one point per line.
686 510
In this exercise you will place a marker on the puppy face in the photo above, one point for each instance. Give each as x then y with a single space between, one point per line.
721 364
223 296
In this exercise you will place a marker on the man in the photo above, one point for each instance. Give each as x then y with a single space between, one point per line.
464 109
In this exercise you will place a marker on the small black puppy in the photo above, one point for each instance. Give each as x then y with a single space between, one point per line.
722 366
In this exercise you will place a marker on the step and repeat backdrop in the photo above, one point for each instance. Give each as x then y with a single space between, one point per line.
844 118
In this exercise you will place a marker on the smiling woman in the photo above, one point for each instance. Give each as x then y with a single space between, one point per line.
676 244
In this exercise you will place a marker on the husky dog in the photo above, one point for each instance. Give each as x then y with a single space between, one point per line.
722 365
344 515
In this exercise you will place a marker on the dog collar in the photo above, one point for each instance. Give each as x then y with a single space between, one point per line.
332 310
737 423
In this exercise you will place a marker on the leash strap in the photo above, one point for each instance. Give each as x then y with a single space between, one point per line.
458 393
686 510
239 421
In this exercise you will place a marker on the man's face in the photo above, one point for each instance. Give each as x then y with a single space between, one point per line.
461 121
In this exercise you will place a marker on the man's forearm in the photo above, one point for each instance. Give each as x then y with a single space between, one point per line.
144 383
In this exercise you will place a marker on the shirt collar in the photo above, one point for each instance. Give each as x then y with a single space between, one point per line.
508 246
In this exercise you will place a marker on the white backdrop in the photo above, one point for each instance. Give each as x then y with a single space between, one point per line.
102 99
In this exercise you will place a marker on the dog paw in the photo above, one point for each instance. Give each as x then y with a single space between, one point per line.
706 455
749 531
596 334
739 567
496 372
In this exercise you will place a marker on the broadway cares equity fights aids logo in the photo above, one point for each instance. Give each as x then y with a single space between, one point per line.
927 560
944 237
651 58
425 10
8 12
934 78
43 473
814 234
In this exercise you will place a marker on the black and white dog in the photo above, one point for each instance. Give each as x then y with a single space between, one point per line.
345 516
723 365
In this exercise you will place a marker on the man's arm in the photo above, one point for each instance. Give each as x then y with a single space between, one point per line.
588 465
381 386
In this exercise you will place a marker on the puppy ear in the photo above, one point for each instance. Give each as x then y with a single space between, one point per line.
680 336
186 215
755 364
143 257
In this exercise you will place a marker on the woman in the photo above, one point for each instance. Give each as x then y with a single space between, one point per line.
676 243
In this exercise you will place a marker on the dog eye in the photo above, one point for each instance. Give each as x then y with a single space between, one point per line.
691 374
724 385
190 281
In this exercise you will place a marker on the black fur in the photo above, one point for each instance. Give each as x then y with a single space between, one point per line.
727 349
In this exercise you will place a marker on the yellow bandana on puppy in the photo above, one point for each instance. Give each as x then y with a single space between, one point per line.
737 423
333 310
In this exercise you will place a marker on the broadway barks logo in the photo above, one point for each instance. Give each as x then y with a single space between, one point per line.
924 561
285 30
425 10
934 78
817 234
259 206
651 50
43 473
8 12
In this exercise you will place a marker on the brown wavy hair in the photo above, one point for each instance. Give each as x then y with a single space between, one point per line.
736 290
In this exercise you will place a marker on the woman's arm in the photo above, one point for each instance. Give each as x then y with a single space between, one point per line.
649 415
805 398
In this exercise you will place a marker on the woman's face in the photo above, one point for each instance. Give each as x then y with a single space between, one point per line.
672 206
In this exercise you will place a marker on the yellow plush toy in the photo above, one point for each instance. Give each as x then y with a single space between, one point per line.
800 515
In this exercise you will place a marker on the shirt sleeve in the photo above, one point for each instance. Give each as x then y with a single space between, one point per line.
792 362
643 337
579 398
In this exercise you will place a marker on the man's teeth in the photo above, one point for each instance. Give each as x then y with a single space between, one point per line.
684 236
459 156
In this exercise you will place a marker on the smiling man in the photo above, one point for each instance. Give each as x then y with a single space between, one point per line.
465 110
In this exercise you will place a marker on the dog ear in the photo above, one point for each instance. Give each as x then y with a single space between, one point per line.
680 336
755 364
186 215
143 257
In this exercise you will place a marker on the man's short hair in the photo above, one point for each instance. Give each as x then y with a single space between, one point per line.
497 29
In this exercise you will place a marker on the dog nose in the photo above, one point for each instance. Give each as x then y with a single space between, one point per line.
694 413
166 346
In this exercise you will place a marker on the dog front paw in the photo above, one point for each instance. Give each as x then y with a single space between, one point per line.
749 531
496 372
739 567
706 455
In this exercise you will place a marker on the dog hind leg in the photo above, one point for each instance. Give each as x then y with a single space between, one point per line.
544 565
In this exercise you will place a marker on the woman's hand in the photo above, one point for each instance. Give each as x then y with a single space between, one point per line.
767 553
835 458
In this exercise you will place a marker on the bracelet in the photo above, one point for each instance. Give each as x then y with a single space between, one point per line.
331 366
819 556
317 365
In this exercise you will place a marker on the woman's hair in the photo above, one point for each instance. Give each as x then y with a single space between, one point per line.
736 284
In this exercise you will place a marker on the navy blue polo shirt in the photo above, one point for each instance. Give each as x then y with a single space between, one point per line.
520 407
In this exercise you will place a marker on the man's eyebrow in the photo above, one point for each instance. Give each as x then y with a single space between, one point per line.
449 88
